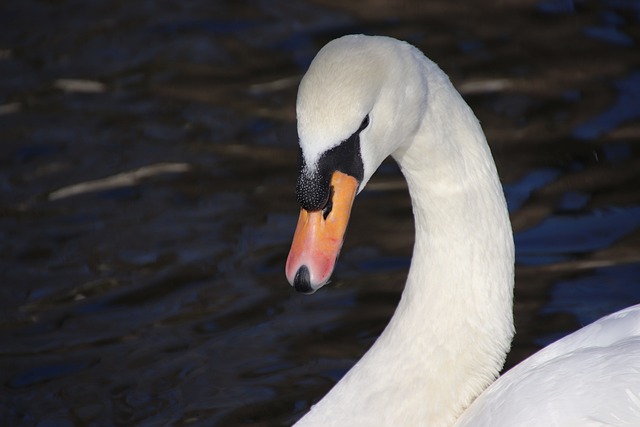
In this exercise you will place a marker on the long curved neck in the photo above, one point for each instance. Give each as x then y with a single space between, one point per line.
459 290
453 326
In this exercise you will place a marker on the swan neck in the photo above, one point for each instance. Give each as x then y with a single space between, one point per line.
459 290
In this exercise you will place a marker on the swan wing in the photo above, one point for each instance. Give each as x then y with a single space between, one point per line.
588 378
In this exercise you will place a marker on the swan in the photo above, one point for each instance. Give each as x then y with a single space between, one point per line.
362 99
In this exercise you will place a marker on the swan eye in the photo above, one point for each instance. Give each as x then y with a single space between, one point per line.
364 124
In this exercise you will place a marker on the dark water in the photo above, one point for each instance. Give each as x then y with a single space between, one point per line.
148 164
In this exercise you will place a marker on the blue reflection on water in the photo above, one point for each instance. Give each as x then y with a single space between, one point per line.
624 109
573 200
609 34
568 235
517 193
601 292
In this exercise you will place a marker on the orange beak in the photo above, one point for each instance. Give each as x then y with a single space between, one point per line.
319 236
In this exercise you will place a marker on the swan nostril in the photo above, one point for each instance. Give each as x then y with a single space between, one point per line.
326 210
302 281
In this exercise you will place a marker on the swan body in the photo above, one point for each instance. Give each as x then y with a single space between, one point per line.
363 99
587 379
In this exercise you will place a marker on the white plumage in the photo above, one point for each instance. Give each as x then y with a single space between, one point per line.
588 378
449 336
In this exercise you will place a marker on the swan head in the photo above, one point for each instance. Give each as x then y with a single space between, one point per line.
361 99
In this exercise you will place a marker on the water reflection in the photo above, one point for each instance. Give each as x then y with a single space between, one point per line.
565 236
148 167
625 109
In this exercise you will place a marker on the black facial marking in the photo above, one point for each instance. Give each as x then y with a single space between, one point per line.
313 187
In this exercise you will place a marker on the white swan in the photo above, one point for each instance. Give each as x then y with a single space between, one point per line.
363 99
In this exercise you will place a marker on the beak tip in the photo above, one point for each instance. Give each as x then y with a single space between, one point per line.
302 281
